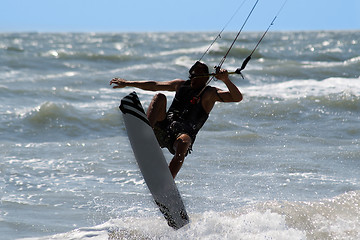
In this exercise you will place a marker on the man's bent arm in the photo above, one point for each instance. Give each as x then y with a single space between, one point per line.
234 94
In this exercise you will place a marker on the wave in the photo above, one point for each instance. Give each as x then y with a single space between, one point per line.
337 108
236 52
180 51
354 60
14 49
295 89
54 121
88 56
335 218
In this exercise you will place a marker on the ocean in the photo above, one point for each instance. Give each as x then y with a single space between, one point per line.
284 163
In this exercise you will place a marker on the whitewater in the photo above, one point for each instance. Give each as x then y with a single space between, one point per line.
283 163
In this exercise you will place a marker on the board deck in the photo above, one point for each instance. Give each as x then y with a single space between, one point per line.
152 162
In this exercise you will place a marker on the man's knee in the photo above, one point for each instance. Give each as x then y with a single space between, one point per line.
157 109
182 144
160 98
186 139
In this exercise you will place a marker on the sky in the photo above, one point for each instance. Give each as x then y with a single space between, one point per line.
175 15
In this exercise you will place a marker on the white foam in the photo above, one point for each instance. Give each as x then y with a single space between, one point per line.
208 225
302 88
335 218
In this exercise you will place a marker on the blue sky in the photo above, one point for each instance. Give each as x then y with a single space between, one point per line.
175 15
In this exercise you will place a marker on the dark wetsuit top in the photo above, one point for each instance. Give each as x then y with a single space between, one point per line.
185 115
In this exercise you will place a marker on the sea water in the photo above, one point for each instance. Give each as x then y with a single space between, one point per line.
282 164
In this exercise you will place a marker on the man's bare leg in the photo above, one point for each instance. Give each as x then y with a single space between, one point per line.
157 112
182 145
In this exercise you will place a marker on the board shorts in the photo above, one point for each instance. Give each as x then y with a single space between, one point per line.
168 131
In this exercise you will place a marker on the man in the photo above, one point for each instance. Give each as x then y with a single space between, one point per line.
176 128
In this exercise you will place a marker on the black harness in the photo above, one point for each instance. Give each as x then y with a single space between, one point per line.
186 114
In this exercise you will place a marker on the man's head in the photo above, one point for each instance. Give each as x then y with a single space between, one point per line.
199 74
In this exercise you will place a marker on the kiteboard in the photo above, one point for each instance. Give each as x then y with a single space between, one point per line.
152 162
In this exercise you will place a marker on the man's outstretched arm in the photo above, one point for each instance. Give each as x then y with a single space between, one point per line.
147 85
